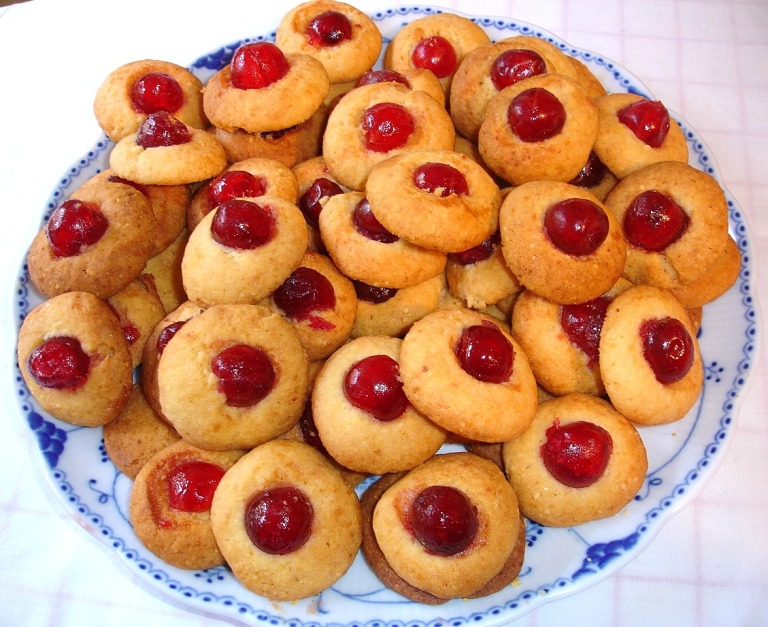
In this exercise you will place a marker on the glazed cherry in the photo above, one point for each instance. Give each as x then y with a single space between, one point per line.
162 129
648 120
583 323
387 126
119 179
258 65
654 221
304 292
191 485
278 520
245 374
484 250
576 226
440 179
373 294
485 353
577 453
368 225
329 29
235 184
535 115
436 54
74 225
312 200
308 429
242 224
512 66
167 334
668 348
373 385
443 519
155 92
591 174
381 76
59 363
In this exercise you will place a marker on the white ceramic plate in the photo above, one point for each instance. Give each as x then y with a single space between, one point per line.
558 561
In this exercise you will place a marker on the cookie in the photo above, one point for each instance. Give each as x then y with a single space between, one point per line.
165 270
715 282
316 185
322 531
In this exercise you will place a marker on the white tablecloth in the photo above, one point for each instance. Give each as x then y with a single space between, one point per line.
705 59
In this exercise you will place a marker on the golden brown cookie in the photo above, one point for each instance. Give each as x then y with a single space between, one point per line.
75 359
170 507
561 242
362 414
715 282
468 375
595 178
165 270
232 377
323 528
650 360
579 461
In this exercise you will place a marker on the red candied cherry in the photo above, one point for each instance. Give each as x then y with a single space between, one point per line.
373 385
668 348
258 65
74 225
59 363
654 221
162 129
484 250
304 292
155 92
648 120
373 294
329 29
512 66
191 485
119 179
583 323
440 179
536 115
387 126
436 54
369 226
382 76
235 184
577 453
278 520
311 201
576 226
242 224
167 334
443 520
591 174
485 353
308 429
245 374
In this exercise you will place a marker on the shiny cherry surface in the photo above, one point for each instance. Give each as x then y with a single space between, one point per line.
278 520
161 129
59 363
329 29
440 179
258 65
191 485
242 224
382 76
483 251
304 292
512 66
245 373
668 348
373 294
577 453
74 225
576 226
591 174
648 120
156 91
387 126
443 520
654 221
583 323
369 226
312 200
167 334
235 184
536 115
436 54
373 385
485 354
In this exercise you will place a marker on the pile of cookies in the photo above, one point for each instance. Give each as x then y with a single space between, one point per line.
308 275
